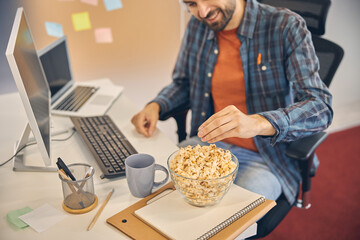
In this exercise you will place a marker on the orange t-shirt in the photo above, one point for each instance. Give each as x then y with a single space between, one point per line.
228 84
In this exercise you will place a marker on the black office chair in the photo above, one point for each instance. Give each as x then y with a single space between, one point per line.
302 150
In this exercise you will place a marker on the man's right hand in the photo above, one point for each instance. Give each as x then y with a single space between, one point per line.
145 121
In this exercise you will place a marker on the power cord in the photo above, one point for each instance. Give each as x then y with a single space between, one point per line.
32 143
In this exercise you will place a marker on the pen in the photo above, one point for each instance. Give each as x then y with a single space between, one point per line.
100 210
259 59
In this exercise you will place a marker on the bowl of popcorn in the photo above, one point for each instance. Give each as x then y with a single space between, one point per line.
202 175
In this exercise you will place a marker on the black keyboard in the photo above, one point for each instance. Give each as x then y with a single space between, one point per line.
106 142
74 100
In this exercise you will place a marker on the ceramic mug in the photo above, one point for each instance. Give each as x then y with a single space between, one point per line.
140 174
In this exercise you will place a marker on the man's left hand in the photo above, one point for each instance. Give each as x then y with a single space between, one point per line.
231 122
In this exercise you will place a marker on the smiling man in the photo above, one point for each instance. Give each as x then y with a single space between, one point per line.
249 74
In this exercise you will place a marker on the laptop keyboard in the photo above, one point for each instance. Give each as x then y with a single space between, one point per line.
76 98
106 142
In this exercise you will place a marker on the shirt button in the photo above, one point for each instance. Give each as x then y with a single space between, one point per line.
203 114
206 94
263 68
216 51
209 74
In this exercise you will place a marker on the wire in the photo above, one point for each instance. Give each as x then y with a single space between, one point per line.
32 143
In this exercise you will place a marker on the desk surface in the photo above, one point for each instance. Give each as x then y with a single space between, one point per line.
33 189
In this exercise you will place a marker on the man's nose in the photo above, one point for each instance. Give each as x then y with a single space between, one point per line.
203 9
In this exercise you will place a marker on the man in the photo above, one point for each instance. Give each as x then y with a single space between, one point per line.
249 74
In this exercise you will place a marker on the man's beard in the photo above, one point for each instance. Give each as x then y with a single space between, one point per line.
223 22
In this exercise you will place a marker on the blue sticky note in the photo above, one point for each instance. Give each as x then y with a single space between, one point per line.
54 29
112 4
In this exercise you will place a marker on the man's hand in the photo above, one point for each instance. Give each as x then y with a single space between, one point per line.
145 121
231 122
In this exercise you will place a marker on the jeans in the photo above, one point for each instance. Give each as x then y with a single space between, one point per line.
253 173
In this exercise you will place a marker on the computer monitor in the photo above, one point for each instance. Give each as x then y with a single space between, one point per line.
33 89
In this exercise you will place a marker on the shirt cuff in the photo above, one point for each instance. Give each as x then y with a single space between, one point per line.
280 122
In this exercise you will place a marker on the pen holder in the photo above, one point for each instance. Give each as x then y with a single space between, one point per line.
79 195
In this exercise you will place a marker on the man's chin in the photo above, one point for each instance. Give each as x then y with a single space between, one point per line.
217 27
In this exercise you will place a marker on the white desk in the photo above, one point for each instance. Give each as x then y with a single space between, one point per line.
33 189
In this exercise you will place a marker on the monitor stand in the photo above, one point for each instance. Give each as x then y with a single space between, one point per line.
19 164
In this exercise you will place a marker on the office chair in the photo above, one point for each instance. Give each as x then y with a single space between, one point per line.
330 55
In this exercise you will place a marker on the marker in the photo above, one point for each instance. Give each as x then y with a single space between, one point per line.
62 165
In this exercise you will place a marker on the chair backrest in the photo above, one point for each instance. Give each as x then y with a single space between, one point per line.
313 11
330 55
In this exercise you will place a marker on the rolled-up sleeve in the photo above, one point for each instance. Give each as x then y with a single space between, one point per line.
311 110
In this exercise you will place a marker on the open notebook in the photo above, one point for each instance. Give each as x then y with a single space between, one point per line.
176 219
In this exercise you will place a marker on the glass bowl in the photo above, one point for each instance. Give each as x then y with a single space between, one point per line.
202 193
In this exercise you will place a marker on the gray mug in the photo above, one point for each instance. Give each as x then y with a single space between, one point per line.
140 174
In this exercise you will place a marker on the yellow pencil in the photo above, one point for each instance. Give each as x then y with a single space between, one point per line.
100 210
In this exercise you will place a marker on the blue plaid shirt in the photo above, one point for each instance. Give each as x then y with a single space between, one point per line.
285 87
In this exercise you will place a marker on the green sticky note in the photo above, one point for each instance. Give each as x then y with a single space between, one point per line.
81 21
13 217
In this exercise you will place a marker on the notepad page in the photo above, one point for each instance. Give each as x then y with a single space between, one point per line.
179 220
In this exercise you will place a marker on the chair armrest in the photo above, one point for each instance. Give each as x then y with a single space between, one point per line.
182 109
179 114
303 148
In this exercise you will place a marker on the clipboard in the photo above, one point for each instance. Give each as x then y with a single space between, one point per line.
127 222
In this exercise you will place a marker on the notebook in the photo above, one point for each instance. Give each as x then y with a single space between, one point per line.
128 222
176 219
70 98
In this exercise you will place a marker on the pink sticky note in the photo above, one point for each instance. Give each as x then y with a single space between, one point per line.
91 2
103 35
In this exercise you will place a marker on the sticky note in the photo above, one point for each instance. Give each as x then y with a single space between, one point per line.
81 21
13 217
112 4
103 35
91 2
43 217
54 29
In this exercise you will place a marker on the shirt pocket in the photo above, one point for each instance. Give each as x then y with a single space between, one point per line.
270 85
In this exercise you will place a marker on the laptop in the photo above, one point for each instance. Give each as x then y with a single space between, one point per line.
72 98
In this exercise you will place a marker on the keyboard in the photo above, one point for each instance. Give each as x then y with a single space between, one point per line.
76 98
106 142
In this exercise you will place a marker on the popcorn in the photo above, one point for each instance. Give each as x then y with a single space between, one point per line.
207 162
203 174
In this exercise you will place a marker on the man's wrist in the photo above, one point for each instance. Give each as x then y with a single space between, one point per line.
264 127
155 106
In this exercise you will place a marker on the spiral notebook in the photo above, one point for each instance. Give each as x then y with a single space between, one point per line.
233 216
176 219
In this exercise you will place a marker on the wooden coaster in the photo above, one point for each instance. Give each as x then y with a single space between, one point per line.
82 210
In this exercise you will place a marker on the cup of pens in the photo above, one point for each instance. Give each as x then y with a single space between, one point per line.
78 188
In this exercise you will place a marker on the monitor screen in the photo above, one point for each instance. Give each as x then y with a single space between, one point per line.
54 59
30 81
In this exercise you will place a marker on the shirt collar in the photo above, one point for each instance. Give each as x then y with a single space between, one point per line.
247 25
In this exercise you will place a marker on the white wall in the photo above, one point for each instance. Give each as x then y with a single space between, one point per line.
343 28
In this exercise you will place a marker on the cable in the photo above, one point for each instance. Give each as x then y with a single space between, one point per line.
32 143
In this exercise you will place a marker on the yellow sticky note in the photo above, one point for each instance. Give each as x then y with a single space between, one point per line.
81 21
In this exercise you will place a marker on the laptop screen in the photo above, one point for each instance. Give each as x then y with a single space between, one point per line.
55 62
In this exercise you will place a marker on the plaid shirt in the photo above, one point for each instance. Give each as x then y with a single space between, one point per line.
285 87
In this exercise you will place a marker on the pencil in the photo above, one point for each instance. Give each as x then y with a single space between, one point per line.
100 210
